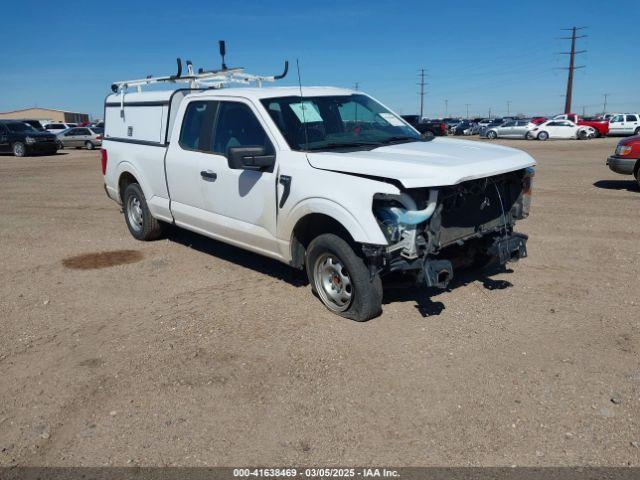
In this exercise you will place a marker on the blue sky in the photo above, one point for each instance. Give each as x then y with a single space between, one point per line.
477 52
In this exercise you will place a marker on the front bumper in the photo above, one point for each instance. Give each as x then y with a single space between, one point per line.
623 166
42 147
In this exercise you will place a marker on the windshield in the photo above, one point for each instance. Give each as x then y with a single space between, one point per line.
20 127
333 122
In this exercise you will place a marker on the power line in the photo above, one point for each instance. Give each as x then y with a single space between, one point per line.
604 107
422 84
572 67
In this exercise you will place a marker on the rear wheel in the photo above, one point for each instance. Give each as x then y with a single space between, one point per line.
139 220
89 145
529 136
543 136
637 132
428 135
637 174
342 281
19 149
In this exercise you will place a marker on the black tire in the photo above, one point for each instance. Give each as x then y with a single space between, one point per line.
19 149
428 135
134 206
491 135
583 135
637 132
365 293
544 136
637 174
89 145
529 136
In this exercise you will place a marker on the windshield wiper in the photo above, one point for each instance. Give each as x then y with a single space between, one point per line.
399 139
345 145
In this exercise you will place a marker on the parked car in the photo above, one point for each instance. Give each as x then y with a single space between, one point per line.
538 120
601 127
290 178
78 137
560 129
34 123
427 128
510 129
626 159
625 124
58 127
22 139
461 127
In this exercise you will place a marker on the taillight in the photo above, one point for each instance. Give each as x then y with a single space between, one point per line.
103 159
623 150
98 137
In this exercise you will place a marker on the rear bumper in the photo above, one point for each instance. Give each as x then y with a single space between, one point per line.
623 166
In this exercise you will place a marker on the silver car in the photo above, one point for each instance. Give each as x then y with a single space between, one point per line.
510 129
78 137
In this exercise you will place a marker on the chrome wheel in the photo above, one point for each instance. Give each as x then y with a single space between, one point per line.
19 150
134 213
332 282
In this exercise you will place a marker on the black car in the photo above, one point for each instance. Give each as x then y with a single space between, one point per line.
427 128
22 139
34 123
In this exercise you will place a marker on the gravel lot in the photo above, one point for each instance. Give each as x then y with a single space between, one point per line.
190 352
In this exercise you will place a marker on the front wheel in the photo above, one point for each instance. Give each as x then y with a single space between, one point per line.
491 135
342 281
142 225
543 136
19 149
583 135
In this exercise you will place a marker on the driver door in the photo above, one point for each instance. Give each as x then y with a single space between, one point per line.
235 205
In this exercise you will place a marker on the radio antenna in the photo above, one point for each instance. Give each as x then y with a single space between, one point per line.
304 120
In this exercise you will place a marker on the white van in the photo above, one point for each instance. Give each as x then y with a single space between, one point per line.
624 124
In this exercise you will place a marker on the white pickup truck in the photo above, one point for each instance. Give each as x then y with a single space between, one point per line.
324 179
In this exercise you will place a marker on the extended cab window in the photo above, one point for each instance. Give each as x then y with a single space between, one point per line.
237 126
197 126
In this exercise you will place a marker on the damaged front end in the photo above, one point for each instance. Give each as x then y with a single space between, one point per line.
431 231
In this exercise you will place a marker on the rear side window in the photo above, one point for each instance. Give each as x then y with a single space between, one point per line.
237 126
197 126
83 131
632 118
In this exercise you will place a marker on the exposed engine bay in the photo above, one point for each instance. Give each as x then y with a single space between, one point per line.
431 229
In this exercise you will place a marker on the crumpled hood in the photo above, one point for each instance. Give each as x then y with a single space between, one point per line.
440 162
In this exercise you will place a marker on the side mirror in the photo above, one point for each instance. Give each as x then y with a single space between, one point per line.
250 158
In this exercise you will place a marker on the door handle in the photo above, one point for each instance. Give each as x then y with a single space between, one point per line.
208 175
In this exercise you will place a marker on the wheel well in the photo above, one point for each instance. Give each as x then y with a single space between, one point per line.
309 227
124 181
636 168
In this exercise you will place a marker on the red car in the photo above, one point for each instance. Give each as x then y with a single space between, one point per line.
626 159
601 126
538 120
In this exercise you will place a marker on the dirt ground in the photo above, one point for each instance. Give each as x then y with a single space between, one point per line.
190 352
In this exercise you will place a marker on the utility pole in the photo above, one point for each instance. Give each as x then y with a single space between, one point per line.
571 67
583 111
489 113
467 105
422 84
508 107
356 86
604 107
446 108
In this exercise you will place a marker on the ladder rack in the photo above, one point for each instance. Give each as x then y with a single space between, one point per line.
201 79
